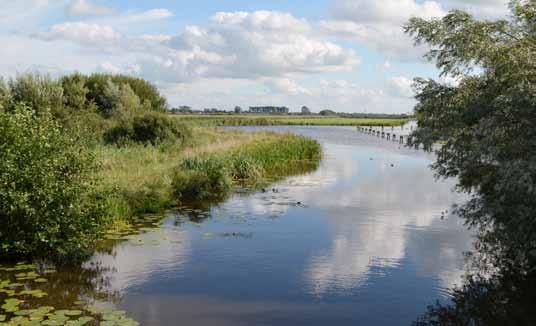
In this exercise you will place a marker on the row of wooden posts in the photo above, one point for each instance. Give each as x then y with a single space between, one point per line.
390 136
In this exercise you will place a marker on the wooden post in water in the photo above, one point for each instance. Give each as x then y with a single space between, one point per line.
401 140
388 136
394 137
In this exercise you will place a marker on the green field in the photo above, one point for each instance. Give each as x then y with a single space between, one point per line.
271 120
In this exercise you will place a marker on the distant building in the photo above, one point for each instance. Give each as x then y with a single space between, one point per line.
268 109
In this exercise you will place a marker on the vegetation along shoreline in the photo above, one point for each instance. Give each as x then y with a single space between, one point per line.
86 155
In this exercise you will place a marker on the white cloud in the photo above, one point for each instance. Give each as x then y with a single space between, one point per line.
285 85
83 33
385 11
378 24
149 15
251 45
401 86
480 8
262 20
85 7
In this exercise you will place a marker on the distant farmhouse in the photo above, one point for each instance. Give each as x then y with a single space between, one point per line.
268 109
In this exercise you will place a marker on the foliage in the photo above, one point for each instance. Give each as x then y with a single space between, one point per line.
200 178
487 122
47 204
111 95
5 95
148 95
327 112
211 176
41 93
75 92
149 128
486 125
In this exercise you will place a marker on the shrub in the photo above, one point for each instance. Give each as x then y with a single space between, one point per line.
47 204
5 95
150 128
119 135
147 93
157 128
41 93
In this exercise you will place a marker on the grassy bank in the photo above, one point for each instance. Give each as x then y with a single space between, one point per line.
148 179
268 120
81 154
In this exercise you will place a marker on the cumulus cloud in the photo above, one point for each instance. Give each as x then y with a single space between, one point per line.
378 24
85 7
479 8
386 11
285 85
149 15
252 45
82 32
400 86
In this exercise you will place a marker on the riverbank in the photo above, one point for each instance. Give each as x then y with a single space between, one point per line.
97 151
149 179
272 120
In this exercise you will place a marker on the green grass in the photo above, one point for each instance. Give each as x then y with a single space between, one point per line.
267 120
149 179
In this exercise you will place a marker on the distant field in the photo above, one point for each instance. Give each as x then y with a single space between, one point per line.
270 120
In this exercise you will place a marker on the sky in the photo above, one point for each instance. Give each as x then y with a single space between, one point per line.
343 55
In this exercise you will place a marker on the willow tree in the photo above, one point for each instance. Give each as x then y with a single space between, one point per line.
486 124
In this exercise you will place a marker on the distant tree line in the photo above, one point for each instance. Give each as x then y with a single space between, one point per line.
304 111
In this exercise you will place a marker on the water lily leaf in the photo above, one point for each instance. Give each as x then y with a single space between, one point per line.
24 312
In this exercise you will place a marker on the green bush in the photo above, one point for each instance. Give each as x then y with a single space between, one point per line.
47 204
149 128
41 93
119 135
147 93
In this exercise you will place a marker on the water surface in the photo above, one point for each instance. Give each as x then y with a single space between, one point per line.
365 239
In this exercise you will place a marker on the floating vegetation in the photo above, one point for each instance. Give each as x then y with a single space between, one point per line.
22 303
210 235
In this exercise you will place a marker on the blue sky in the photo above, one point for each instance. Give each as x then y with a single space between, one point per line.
345 55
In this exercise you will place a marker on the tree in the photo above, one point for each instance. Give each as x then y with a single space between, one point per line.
237 110
47 204
327 112
41 93
487 127
5 95
75 92
305 110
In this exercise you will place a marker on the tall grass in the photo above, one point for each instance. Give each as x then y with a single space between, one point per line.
148 179
273 155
